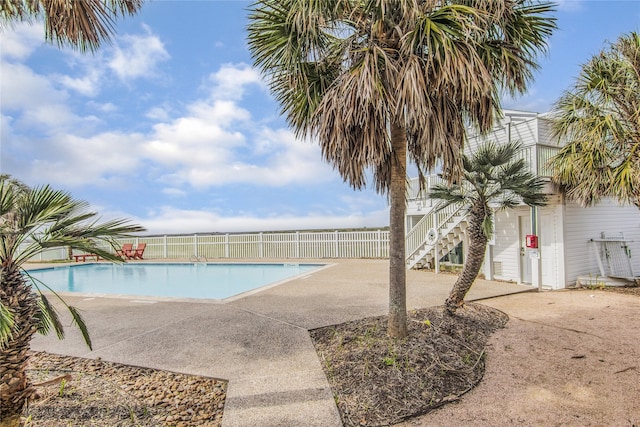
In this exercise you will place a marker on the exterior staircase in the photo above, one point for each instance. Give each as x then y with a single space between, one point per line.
435 235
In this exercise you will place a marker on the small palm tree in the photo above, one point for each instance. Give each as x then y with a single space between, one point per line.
382 81
494 177
599 119
84 24
31 221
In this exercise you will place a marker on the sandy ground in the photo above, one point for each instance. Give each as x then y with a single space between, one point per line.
566 358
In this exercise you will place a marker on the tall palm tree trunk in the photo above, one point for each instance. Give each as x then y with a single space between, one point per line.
475 257
397 323
15 389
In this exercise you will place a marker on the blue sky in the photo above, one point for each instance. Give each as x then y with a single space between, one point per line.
172 127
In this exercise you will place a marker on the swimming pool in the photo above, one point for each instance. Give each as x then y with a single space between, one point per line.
179 280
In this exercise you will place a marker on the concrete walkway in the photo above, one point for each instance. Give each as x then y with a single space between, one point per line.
258 342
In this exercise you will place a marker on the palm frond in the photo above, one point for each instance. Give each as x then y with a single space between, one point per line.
7 197
79 24
488 226
7 325
48 318
494 175
86 24
80 323
598 119
41 218
346 72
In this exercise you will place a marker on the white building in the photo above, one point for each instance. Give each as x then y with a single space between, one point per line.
570 238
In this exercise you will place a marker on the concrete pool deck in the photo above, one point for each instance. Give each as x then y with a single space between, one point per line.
259 342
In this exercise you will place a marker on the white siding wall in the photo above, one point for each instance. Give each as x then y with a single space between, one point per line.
506 251
522 126
525 132
545 132
582 224
498 134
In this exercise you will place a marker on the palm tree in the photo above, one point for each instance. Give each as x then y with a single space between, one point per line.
494 178
376 81
84 24
31 221
599 119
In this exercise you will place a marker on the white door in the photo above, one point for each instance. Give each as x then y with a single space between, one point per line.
524 224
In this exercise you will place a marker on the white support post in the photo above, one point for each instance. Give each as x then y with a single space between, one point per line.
536 273
335 245
488 255
260 247
226 245
195 245
488 263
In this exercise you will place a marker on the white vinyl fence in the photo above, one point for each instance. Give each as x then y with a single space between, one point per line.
297 244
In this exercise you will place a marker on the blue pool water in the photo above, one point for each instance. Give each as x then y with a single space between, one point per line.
215 281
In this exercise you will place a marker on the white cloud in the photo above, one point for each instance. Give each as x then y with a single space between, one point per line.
223 112
106 107
287 159
217 142
36 105
19 41
138 56
231 79
198 142
22 89
87 85
204 153
174 192
158 113
172 220
74 161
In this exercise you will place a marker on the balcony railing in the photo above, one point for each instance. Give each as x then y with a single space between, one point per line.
536 156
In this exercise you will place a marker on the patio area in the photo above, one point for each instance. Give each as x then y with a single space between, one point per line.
260 342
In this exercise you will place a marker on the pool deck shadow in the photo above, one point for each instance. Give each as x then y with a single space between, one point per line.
260 342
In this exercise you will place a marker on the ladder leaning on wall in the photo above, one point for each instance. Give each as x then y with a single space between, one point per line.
614 256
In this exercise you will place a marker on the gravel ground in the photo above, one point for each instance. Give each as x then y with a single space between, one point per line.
86 392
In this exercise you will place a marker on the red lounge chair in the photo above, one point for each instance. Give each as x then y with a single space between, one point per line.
137 253
126 251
